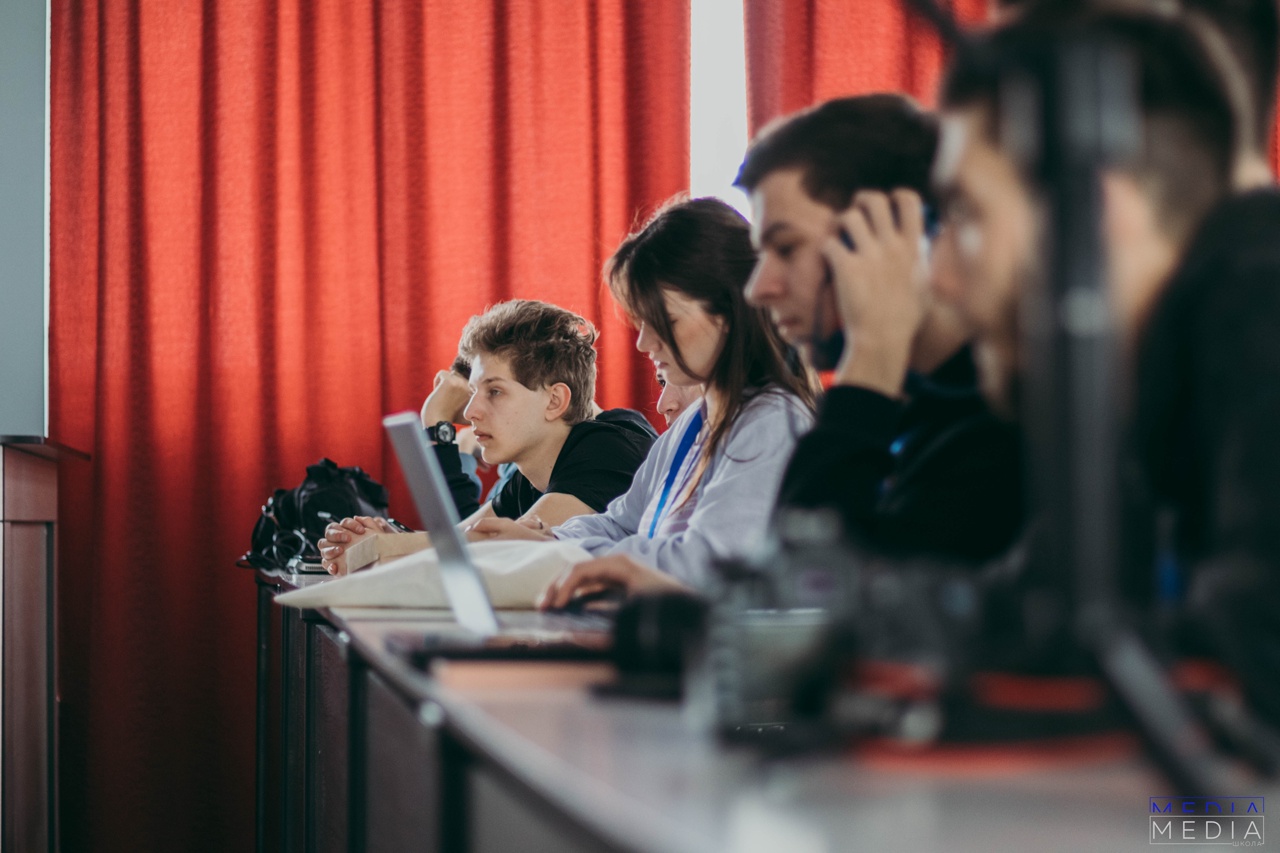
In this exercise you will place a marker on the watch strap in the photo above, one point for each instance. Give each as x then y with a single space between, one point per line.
434 433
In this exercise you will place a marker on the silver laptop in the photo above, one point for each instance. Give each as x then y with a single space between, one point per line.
538 633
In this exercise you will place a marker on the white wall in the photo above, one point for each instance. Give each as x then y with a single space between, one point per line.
717 99
23 218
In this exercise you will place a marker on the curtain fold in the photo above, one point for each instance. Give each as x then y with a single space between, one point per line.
801 52
269 223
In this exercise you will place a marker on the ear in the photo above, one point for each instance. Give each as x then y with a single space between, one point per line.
1140 255
1127 213
558 399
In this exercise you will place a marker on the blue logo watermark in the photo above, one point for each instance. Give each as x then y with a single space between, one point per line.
1237 821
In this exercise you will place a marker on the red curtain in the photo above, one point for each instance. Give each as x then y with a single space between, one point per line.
801 52
270 219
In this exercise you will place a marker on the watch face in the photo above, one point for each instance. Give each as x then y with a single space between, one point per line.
445 432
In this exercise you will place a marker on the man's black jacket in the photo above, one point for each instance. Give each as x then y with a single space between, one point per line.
1204 443
1207 420
935 474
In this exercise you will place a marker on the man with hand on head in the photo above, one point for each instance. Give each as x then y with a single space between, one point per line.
529 399
904 447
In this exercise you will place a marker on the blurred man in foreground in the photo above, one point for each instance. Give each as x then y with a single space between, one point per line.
1194 273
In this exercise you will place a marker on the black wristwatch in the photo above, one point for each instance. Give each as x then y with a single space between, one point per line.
442 433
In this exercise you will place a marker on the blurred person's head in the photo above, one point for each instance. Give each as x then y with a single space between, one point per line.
1251 32
531 368
801 172
674 399
990 250
1243 35
680 279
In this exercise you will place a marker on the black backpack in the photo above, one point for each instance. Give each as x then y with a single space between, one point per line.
293 520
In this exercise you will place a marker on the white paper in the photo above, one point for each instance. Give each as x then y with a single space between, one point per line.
515 572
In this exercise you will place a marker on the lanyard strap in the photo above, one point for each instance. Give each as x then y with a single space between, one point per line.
686 442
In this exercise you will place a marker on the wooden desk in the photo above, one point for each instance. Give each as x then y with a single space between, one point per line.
301 724
29 712
520 757
306 690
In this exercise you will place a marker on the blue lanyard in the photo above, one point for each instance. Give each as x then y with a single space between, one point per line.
686 442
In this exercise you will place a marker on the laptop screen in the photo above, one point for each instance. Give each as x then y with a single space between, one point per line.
461 579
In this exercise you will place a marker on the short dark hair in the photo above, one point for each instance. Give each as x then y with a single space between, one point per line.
1191 126
543 343
870 142
701 248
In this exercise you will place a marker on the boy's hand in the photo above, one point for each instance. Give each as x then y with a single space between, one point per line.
506 528
467 444
448 398
341 535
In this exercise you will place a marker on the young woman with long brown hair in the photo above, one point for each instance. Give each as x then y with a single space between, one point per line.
707 488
